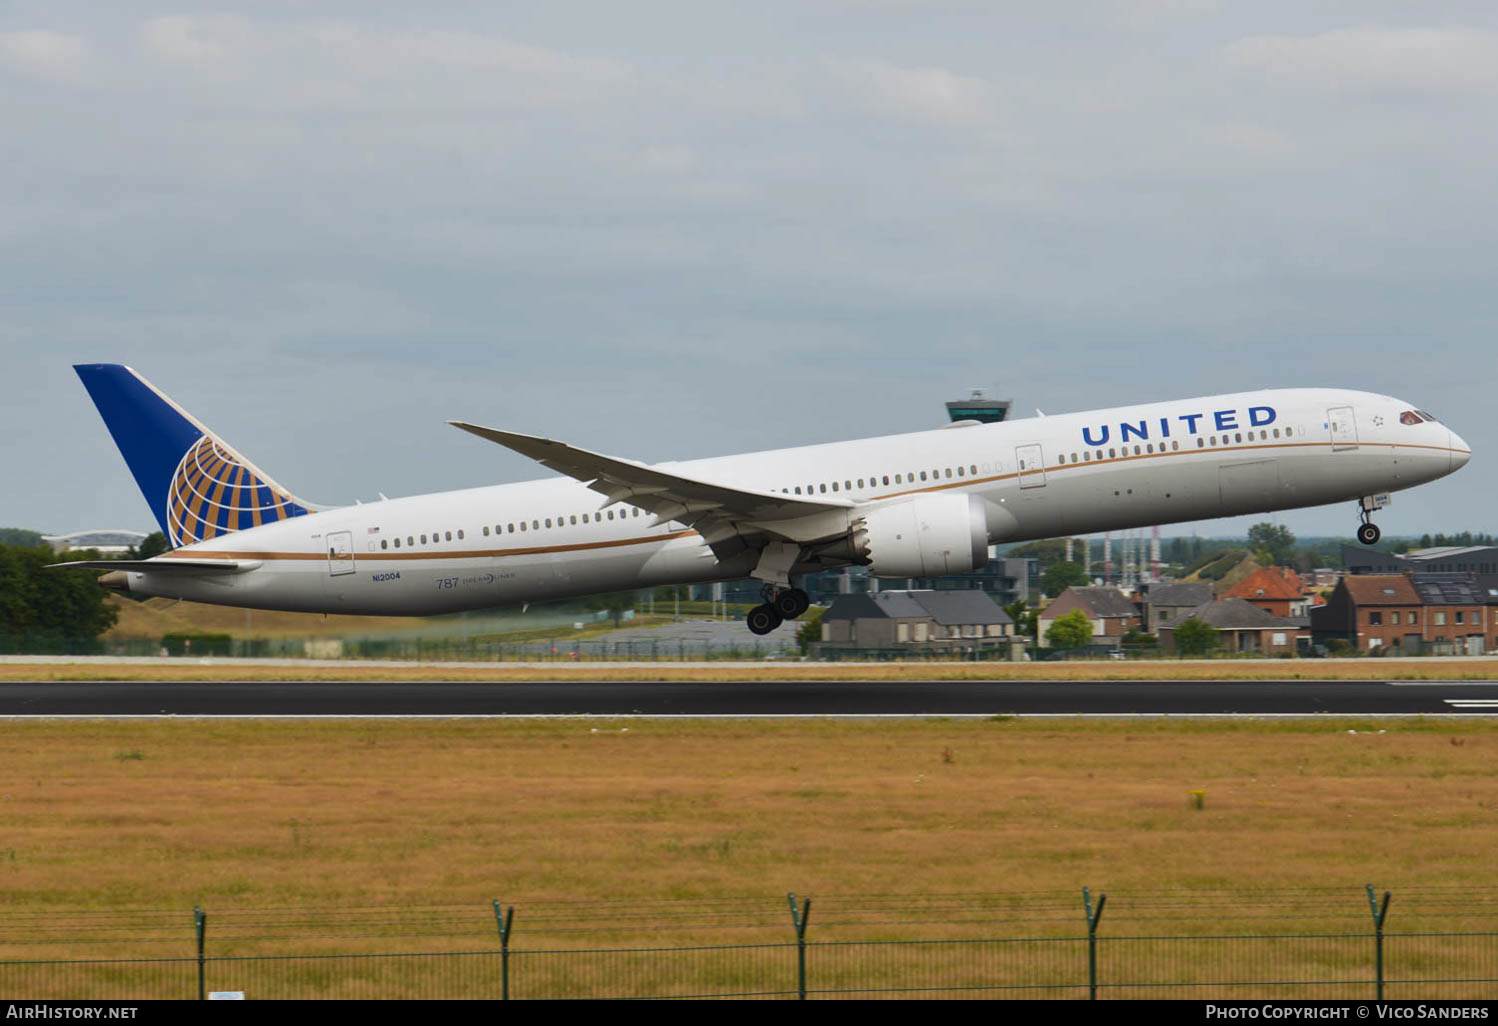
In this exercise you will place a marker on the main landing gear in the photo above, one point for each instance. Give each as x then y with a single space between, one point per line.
780 605
1368 532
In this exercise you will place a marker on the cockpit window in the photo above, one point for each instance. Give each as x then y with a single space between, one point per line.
1409 417
1427 416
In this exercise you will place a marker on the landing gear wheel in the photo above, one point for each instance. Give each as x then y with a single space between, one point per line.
791 604
763 619
1369 534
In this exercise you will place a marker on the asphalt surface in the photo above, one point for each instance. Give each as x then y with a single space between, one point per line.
769 699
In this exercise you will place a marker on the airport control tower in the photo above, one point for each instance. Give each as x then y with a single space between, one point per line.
979 407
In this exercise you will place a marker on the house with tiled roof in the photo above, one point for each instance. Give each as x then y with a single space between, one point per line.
1274 589
1409 614
1170 602
1113 614
954 621
1243 627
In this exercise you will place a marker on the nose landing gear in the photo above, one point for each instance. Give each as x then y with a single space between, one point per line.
780 605
1368 532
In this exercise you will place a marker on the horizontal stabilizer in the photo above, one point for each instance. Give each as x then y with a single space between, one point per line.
179 567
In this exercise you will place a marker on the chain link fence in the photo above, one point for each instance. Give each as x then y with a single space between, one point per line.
1304 944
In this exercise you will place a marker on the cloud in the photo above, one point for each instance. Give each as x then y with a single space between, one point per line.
933 95
196 40
1376 58
42 54
314 64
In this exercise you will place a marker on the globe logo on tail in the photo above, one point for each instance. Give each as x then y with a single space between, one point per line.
214 492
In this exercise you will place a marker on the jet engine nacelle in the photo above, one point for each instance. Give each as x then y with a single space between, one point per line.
923 536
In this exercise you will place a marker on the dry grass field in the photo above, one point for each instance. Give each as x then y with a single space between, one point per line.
235 815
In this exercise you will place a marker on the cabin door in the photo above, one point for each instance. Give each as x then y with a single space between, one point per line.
340 553
1344 429
1031 466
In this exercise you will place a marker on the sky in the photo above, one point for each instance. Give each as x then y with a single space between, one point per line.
668 230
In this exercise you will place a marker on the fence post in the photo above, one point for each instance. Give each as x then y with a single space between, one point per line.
1093 915
798 918
1380 913
504 919
200 926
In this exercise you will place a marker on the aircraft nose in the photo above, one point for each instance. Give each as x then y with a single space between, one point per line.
1461 452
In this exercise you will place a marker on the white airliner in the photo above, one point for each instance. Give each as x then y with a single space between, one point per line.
915 505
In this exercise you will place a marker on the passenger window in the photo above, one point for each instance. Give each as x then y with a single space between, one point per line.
898 479
397 543
973 469
535 525
847 486
573 518
949 472
1288 432
1086 456
384 543
449 536
1175 446
512 528
486 530
798 489
860 482
923 475
1137 450
886 479
1112 453
834 486
1276 432
824 488
1238 437
460 534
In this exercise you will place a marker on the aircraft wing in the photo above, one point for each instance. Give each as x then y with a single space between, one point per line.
168 565
716 510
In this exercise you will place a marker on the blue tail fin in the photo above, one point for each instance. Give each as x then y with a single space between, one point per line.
197 486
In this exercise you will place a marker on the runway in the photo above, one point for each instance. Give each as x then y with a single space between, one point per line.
770 699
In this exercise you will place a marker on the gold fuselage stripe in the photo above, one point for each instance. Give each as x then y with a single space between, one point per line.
967 482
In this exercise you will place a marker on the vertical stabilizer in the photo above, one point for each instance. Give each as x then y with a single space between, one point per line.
197 486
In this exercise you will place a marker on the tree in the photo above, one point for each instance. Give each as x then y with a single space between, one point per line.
1071 630
1045 552
1195 637
1026 618
810 630
44 610
153 544
615 604
20 537
1275 540
1061 576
